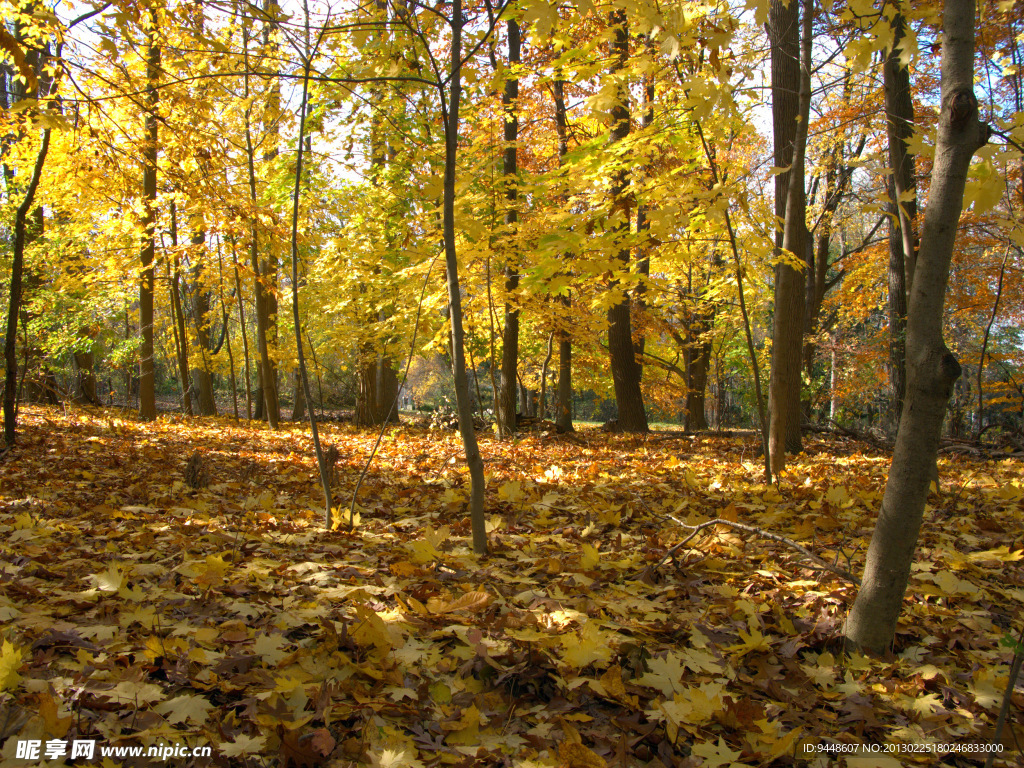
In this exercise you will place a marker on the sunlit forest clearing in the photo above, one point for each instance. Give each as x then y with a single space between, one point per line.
226 614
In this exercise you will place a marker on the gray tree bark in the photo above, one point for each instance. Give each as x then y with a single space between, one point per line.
932 370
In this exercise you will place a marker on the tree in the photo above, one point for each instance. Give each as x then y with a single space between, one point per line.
450 114
506 406
899 124
563 416
377 396
266 401
27 214
932 369
150 147
626 372
14 303
789 120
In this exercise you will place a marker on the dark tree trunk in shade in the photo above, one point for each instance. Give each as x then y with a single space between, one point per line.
899 112
147 371
563 414
697 368
510 331
201 310
377 380
626 372
15 290
299 401
789 78
643 266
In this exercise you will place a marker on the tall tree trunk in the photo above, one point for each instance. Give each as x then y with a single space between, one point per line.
838 176
563 415
697 372
14 300
245 334
979 421
462 396
387 390
626 372
266 400
899 113
787 334
377 380
180 335
510 331
303 375
201 316
85 389
932 370
299 400
35 83
147 372
227 330
269 266
833 390
643 266
366 392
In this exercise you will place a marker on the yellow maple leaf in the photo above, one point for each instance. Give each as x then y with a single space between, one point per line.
371 630
422 551
242 745
590 557
10 662
665 674
589 647
717 755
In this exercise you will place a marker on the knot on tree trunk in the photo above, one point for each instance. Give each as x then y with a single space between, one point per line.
963 105
961 110
943 369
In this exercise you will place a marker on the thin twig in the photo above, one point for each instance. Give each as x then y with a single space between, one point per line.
695 529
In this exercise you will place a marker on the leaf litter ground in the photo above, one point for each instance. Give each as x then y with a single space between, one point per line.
137 611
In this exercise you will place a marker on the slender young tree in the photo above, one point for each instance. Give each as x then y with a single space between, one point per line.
201 317
180 336
932 370
21 216
150 147
899 123
451 101
510 331
563 416
266 399
303 375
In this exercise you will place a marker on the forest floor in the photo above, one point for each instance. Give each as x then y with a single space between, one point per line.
138 611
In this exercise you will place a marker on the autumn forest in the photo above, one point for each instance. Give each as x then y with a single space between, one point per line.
578 384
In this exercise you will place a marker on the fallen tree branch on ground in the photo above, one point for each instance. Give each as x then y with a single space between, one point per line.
695 529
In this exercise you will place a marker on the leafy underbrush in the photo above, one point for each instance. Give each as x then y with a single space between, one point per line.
137 610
